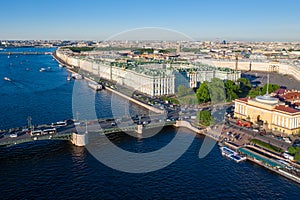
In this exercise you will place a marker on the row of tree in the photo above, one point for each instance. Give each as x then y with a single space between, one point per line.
219 91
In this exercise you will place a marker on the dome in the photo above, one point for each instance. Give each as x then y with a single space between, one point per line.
267 99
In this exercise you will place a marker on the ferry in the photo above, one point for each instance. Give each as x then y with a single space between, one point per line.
95 86
7 79
229 153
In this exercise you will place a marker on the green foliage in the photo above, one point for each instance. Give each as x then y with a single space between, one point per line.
217 91
189 99
203 93
295 151
267 146
171 100
244 87
254 92
80 49
204 117
272 88
183 91
231 90
190 50
292 150
297 157
143 51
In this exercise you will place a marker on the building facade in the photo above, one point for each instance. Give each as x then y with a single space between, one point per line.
153 80
269 111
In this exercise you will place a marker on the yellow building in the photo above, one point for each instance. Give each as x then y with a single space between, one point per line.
269 111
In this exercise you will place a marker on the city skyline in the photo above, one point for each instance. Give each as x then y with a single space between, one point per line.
94 20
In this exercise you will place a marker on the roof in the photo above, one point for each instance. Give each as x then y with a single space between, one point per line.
284 108
243 99
280 91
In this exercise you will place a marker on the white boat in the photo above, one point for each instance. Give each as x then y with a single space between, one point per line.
1 49
7 79
69 78
237 157
95 86
42 69
77 76
60 65
226 151
229 153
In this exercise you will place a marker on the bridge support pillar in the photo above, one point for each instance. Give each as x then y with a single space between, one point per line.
80 140
139 129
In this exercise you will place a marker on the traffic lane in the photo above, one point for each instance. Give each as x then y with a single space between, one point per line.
273 141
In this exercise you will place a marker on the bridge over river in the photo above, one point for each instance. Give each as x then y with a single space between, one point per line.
25 53
67 132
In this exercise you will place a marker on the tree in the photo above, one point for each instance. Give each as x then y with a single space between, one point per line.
244 87
217 91
183 90
292 150
204 117
254 92
231 90
244 83
272 88
203 93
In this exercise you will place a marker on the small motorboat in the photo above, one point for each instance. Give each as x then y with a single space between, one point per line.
42 69
7 79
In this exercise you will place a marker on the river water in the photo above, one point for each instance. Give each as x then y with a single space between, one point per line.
59 170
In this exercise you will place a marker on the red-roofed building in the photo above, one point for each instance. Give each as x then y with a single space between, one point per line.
270 111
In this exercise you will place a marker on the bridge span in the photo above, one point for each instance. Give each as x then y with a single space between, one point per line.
70 133
24 53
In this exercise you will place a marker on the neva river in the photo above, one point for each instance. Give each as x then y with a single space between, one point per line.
59 170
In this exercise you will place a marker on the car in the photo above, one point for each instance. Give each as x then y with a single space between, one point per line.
13 135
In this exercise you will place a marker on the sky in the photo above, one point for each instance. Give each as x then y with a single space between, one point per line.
252 20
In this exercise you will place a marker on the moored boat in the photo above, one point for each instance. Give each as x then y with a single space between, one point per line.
69 78
229 153
77 76
95 86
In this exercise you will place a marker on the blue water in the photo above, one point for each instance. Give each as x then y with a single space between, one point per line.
46 96
59 170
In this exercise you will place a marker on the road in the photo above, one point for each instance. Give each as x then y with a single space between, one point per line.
265 138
